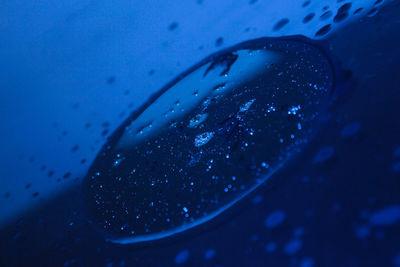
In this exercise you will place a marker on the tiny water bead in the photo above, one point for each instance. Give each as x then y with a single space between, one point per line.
293 246
388 216
182 257
209 138
274 219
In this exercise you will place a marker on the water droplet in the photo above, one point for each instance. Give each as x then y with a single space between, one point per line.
270 247
203 139
385 217
280 24
246 106
182 257
293 246
324 154
209 254
350 130
324 30
197 120
275 219
308 18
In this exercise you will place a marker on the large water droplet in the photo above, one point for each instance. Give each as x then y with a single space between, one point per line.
239 113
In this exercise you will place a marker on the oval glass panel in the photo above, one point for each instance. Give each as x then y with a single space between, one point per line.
209 138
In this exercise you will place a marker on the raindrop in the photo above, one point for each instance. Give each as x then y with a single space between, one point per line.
270 247
350 130
358 10
306 3
372 12
182 257
342 12
67 175
293 246
308 18
307 262
396 152
326 15
173 26
209 254
203 139
275 219
111 80
280 24
324 30
219 41
387 216
324 154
